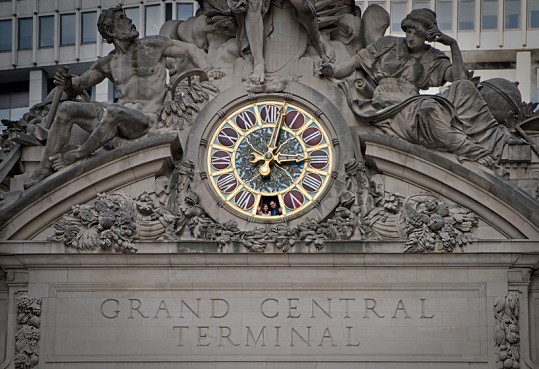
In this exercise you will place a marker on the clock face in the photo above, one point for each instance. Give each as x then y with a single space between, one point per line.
269 159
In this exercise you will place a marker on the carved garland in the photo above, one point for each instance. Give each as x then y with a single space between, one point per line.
114 221
507 349
27 336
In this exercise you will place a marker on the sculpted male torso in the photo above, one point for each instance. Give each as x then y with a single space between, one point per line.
137 69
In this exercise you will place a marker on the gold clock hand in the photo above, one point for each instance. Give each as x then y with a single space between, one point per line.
272 145
287 158
256 157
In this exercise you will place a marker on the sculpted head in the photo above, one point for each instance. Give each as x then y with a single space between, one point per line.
423 21
113 23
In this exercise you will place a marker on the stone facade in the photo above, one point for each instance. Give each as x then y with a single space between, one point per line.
144 248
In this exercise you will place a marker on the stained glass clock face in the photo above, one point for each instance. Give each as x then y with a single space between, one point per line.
269 153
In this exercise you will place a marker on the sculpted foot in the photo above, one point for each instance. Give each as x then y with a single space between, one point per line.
258 75
59 161
39 175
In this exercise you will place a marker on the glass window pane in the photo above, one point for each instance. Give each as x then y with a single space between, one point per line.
398 12
381 3
466 15
168 12
421 4
184 10
512 14
489 18
67 29
5 31
153 20
533 13
88 27
46 31
444 14
134 15
25 33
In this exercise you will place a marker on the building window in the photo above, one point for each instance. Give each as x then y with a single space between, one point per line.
381 3
5 31
67 29
466 15
153 19
88 22
398 12
533 13
489 16
168 12
184 10
444 14
46 31
421 4
25 33
512 14
134 15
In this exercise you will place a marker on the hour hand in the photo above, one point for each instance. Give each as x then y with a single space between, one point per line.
256 157
288 158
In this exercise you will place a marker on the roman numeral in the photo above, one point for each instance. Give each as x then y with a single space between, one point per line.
227 137
226 182
318 159
244 200
313 137
312 182
220 160
270 113
245 120
296 114
293 199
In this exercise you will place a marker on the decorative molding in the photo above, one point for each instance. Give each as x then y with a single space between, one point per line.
506 331
28 331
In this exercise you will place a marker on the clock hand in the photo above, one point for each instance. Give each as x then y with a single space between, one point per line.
272 145
287 158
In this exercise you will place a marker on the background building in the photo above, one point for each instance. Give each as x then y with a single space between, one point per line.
498 38
36 36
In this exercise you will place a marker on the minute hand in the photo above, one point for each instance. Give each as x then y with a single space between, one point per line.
272 145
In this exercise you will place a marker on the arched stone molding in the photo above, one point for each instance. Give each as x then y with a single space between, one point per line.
497 201
50 199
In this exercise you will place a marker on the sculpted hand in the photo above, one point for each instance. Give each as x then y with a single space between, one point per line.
63 78
441 37
327 70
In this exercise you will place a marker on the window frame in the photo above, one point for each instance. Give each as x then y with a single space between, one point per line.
61 41
40 18
10 39
82 28
31 22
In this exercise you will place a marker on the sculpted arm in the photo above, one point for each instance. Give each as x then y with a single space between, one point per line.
456 71
93 76
179 49
341 70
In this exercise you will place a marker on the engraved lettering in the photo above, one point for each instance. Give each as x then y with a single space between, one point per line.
327 334
263 303
162 307
136 308
349 331
347 307
214 303
307 341
195 313
367 308
401 307
250 334
277 344
223 336
116 312
292 306
327 312
202 336
180 329
423 316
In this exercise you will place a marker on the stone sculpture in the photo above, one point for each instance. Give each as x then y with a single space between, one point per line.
458 120
137 69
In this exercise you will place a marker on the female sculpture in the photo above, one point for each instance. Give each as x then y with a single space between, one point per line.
458 120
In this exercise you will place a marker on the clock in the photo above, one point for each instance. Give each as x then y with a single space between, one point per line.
269 159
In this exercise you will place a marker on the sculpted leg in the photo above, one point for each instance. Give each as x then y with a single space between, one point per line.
128 122
254 27
307 17
69 113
